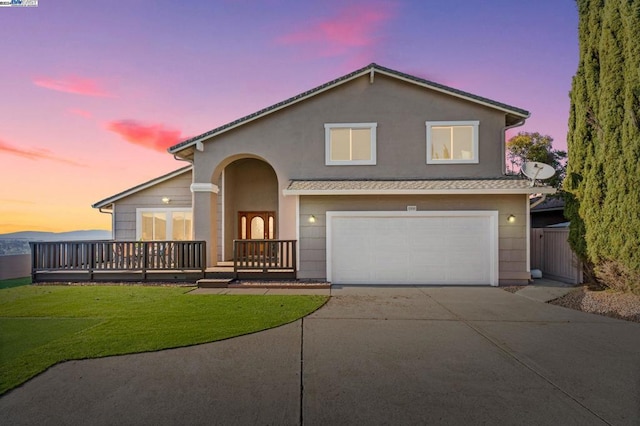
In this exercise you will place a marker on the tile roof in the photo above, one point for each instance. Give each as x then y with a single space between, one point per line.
335 187
362 71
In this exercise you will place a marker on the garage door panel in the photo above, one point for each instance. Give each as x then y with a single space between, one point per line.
396 248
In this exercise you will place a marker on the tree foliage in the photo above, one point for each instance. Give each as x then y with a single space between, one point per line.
603 171
526 146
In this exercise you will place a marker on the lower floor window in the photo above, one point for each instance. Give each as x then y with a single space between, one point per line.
164 224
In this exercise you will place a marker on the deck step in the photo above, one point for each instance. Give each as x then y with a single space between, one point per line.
214 282
281 285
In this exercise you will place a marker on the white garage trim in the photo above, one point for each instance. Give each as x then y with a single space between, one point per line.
492 231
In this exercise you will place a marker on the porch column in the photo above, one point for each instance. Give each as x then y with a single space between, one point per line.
205 198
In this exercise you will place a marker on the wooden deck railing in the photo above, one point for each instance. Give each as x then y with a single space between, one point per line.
264 255
95 256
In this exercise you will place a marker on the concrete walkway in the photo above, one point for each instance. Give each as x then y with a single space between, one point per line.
410 355
264 291
544 290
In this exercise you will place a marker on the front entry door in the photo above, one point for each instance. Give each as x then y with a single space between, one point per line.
256 225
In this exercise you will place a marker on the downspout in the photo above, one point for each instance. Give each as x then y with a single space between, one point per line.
199 147
113 229
175 157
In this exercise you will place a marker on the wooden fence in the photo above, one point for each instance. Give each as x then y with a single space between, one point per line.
94 257
551 253
265 256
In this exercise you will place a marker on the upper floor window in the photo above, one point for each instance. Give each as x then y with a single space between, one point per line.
350 143
451 142
161 224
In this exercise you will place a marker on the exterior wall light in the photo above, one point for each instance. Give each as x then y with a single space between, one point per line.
511 218
166 200
312 219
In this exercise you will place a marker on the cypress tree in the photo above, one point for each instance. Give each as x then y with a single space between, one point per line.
580 138
603 171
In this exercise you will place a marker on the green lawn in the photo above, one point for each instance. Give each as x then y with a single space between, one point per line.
14 282
43 325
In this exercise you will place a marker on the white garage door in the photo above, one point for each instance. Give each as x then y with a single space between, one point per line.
449 247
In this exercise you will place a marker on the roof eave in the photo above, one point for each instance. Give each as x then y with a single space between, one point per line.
496 191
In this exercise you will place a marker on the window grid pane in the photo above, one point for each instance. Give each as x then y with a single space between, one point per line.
243 228
271 228
159 226
441 143
257 228
178 226
340 144
360 144
147 226
462 142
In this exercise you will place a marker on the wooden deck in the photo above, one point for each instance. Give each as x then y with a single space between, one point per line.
158 261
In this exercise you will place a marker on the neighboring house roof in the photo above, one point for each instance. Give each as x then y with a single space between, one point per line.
108 201
559 225
433 186
549 204
514 115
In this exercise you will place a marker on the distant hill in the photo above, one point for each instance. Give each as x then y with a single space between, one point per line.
58 236
18 242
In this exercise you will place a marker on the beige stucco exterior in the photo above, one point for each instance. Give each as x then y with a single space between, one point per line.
292 142
249 166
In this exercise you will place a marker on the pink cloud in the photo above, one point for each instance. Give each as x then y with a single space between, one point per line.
34 154
81 112
73 84
153 136
353 27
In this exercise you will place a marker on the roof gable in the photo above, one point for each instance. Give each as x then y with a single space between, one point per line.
108 201
517 114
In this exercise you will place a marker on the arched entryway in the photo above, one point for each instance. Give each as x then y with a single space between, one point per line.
250 202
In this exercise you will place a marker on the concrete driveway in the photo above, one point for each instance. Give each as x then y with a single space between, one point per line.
411 355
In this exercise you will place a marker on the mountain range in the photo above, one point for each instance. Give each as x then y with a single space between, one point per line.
93 234
18 242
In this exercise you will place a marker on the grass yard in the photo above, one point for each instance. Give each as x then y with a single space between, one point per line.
41 326
14 282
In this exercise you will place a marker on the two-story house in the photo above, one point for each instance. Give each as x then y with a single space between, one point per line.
381 178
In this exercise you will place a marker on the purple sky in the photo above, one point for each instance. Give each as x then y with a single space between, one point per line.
93 92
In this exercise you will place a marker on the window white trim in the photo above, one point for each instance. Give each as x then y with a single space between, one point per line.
473 123
327 144
168 211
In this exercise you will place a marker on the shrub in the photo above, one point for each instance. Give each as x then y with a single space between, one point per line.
617 276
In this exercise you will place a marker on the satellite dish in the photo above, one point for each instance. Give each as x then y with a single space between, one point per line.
535 170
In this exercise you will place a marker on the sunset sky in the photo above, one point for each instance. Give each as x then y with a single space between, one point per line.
93 92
